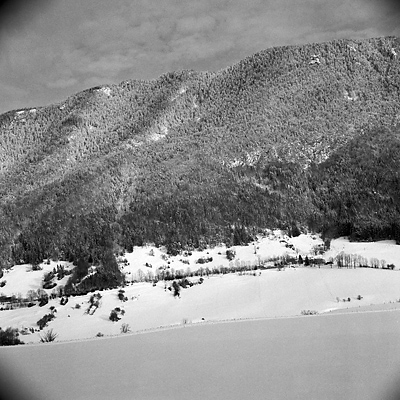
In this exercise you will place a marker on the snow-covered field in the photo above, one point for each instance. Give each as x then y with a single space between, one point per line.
330 357
262 294
350 350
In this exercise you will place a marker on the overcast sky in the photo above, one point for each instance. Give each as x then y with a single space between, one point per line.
50 49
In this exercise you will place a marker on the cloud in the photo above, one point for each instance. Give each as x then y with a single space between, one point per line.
62 83
192 24
53 47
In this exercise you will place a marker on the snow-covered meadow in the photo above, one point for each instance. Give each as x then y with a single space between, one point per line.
235 335
331 356
268 293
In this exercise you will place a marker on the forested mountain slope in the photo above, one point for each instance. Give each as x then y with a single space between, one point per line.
291 137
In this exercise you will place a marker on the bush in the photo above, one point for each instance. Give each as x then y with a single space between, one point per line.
64 301
3 283
94 302
48 276
204 260
309 312
45 320
185 283
43 301
99 334
121 295
49 285
9 337
114 316
48 336
176 288
230 254
125 328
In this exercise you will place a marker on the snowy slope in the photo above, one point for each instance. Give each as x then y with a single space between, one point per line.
265 294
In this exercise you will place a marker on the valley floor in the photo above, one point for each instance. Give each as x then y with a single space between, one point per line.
330 356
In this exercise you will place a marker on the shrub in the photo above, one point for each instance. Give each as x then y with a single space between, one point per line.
94 302
176 288
9 337
77 306
114 316
99 334
36 267
48 276
125 328
49 285
45 320
43 301
185 283
204 260
309 312
121 295
48 336
64 301
3 283
230 254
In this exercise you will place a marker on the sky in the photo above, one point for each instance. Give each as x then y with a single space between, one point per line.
51 49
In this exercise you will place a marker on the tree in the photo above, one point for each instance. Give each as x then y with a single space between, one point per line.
176 288
114 316
230 254
44 320
9 337
31 295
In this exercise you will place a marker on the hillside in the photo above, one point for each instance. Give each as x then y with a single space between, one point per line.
220 290
295 137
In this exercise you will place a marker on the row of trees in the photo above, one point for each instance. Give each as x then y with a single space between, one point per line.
344 260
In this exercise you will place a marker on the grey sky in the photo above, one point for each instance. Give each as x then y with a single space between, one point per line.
50 49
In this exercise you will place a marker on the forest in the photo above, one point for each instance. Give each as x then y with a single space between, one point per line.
192 159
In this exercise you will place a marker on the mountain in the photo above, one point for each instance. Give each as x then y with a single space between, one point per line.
295 137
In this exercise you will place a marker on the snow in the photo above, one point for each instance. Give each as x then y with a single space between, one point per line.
259 294
266 350
383 250
105 90
331 357
21 278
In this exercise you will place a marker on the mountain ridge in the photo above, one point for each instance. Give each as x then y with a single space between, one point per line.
196 158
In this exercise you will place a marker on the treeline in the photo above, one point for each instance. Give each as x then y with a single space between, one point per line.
357 190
